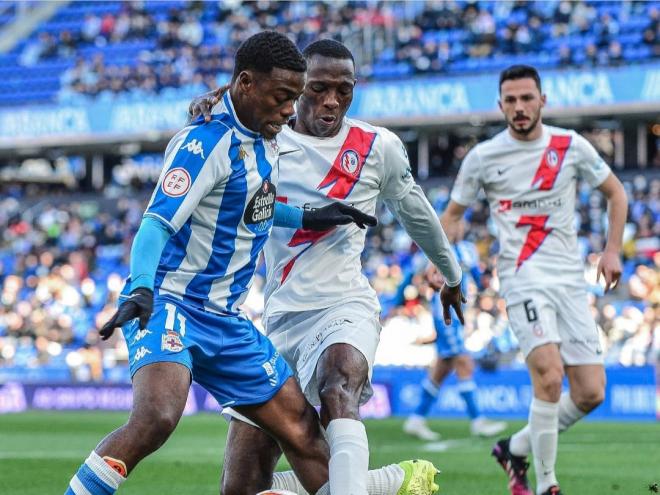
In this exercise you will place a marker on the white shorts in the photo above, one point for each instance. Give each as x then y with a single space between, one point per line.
560 315
302 336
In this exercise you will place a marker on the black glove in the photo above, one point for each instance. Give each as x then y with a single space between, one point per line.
336 214
140 305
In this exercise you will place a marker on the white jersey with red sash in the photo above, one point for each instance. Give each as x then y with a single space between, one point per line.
312 270
531 189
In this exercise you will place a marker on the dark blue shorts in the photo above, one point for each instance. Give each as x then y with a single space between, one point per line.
226 355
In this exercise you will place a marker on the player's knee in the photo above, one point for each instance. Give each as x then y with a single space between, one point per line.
155 427
340 399
464 366
551 382
588 400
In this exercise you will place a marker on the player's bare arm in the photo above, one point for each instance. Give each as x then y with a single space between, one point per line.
609 265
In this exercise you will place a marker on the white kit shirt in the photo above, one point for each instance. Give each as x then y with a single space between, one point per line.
531 189
312 270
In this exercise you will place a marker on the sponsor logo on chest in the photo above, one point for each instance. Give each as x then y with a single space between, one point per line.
261 207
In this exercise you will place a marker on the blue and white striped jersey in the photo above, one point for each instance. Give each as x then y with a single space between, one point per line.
217 195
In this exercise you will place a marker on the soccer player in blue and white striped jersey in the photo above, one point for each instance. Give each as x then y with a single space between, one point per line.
192 263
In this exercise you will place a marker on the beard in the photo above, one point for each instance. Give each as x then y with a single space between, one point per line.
524 131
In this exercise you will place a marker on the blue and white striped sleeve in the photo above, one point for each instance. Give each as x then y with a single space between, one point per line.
196 159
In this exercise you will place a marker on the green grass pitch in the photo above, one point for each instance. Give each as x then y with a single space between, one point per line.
40 451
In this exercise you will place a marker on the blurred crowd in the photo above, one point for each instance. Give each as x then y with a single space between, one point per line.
191 46
62 264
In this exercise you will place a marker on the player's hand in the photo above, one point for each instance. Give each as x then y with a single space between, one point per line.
610 268
434 278
203 104
452 297
336 214
140 305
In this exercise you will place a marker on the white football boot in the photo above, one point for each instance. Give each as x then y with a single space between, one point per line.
417 427
484 427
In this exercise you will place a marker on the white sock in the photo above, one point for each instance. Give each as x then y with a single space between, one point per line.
349 457
384 481
543 421
520 443
569 414
95 476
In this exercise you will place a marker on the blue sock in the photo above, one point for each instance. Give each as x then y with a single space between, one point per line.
94 477
429 395
468 391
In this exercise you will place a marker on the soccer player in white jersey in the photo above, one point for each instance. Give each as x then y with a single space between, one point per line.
320 311
192 263
529 173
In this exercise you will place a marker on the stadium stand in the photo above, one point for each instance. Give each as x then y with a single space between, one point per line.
63 253
62 263
133 50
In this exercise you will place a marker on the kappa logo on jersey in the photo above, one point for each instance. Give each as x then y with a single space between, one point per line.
171 342
141 334
551 162
141 352
261 207
176 183
194 147
350 161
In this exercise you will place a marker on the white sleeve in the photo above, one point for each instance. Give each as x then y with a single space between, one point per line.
591 167
397 176
468 182
196 159
422 224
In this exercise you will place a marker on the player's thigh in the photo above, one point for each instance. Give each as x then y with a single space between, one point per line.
287 416
534 322
251 455
578 331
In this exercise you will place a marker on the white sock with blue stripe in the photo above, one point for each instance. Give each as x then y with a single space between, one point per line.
95 477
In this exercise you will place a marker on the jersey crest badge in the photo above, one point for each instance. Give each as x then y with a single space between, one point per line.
171 342
176 183
350 162
552 157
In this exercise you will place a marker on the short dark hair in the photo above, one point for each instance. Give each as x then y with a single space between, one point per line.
520 72
267 50
328 48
